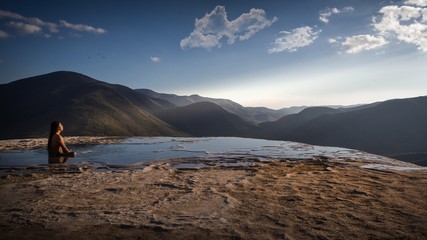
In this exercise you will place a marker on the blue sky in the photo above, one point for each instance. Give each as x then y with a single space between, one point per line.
257 53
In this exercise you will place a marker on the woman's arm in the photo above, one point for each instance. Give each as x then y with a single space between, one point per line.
62 144
65 149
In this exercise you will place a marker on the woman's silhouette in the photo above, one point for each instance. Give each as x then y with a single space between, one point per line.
56 145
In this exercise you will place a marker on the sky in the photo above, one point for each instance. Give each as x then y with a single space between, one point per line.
271 53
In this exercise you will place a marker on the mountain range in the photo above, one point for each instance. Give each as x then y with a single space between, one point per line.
84 105
207 119
253 114
395 128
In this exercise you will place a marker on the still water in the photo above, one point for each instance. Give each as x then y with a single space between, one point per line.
140 150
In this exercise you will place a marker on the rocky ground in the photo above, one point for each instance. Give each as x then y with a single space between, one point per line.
310 199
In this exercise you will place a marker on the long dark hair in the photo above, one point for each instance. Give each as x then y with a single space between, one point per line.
53 128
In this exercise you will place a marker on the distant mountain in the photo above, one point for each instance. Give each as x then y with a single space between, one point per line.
356 107
179 101
85 106
207 119
395 128
281 128
252 114
263 114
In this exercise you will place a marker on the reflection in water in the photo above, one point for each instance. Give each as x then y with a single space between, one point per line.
56 160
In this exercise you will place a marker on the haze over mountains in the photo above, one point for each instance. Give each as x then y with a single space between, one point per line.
207 119
395 128
254 114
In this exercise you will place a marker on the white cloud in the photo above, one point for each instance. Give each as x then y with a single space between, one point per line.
198 39
215 25
26 25
4 34
360 43
291 41
407 24
332 40
155 59
421 3
11 15
402 23
326 13
82 27
250 23
24 28
52 27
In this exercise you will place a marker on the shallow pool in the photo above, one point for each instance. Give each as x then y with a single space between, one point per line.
139 150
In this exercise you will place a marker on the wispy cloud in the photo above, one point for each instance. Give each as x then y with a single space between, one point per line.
4 34
333 40
24 28
51 27
360 43
291 41
215 25
297 38
326 13
12 15
155 59
30 25
82 27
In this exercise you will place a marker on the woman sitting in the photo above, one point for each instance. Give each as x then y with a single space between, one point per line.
56 145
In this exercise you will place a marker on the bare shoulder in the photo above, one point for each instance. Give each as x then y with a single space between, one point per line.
60 138
57 138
